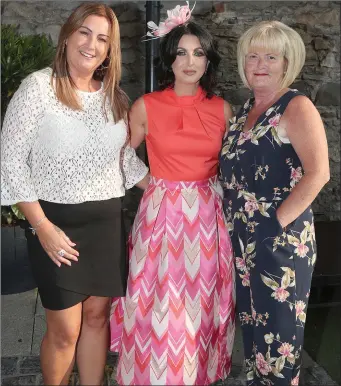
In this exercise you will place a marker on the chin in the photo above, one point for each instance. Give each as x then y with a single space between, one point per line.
190 81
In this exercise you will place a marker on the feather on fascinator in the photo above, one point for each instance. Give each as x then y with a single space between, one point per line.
176 16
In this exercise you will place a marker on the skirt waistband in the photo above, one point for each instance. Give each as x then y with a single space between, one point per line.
175 185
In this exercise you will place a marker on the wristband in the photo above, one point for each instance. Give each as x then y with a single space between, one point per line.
34 229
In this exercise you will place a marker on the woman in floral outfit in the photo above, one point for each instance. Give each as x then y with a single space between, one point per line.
274 161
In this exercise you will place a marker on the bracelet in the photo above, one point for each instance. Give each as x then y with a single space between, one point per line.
34 229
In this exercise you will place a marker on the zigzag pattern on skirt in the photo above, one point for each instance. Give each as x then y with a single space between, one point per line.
176 324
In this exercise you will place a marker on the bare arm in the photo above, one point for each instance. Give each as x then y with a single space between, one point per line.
228 115
137 123
306 133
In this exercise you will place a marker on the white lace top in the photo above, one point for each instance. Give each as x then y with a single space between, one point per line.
54 153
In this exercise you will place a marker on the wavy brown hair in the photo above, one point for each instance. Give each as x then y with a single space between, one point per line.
64 86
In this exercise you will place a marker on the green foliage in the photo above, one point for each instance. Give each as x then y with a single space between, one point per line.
20 56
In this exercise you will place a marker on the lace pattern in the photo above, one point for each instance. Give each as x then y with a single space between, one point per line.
57 154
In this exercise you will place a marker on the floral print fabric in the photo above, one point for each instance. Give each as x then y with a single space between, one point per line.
273 266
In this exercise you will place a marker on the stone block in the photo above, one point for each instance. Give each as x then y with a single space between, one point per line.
126 43
128 56
132 29
30 365
325 18
9 366
131 14
219 7
51 30
237 96
329 61
321 43
12 381
328 95
28 380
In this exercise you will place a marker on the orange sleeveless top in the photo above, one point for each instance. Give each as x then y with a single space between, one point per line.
184 134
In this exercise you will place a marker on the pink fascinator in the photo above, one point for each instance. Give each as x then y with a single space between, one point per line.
176 16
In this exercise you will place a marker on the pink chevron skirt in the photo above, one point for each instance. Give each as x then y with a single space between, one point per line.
176 324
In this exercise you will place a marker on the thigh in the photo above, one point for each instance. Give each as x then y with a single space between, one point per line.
64 322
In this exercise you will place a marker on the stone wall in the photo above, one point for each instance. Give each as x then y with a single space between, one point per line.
317 22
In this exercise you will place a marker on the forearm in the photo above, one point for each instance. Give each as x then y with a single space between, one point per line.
143 184
32 211
301 196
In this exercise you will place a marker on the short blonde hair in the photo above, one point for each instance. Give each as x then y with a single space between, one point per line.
277 38
111 76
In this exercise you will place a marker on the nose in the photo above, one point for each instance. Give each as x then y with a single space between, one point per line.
190 60
92 42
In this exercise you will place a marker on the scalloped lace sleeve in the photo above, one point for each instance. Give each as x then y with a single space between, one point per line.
19 131
134 169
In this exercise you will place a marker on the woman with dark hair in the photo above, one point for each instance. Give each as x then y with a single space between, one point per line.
64 150
178 318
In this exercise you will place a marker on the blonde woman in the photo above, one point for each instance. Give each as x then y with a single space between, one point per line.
64 157
274 162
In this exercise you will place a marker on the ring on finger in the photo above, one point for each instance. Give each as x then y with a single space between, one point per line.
61 253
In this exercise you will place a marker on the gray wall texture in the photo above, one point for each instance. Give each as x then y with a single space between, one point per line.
318 22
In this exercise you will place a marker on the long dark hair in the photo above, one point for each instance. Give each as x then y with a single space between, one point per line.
168 49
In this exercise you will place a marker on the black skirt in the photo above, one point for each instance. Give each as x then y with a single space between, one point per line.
97 228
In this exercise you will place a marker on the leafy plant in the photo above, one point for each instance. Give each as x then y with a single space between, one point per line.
20 56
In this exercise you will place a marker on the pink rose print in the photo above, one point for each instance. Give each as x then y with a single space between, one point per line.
251 206
295 381
262 365
286 350
296 174
274 121
240 263
299 306
244 137
280 294
301 250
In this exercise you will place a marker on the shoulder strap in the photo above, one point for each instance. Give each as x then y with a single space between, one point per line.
284 100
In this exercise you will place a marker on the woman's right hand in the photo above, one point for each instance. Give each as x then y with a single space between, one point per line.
53 240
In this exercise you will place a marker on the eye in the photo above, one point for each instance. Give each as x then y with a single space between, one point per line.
199 53
103 40
272 57
84 32
180 53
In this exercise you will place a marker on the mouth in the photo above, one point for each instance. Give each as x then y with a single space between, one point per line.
261 74
189 72
86 55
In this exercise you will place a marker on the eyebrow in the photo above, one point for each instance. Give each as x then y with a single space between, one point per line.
83 26
197 48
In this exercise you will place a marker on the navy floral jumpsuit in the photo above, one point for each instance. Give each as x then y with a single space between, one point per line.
273 266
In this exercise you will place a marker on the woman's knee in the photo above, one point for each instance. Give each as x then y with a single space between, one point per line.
63 337
63 328
96 315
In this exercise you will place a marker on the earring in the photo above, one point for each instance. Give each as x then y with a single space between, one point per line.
101 70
